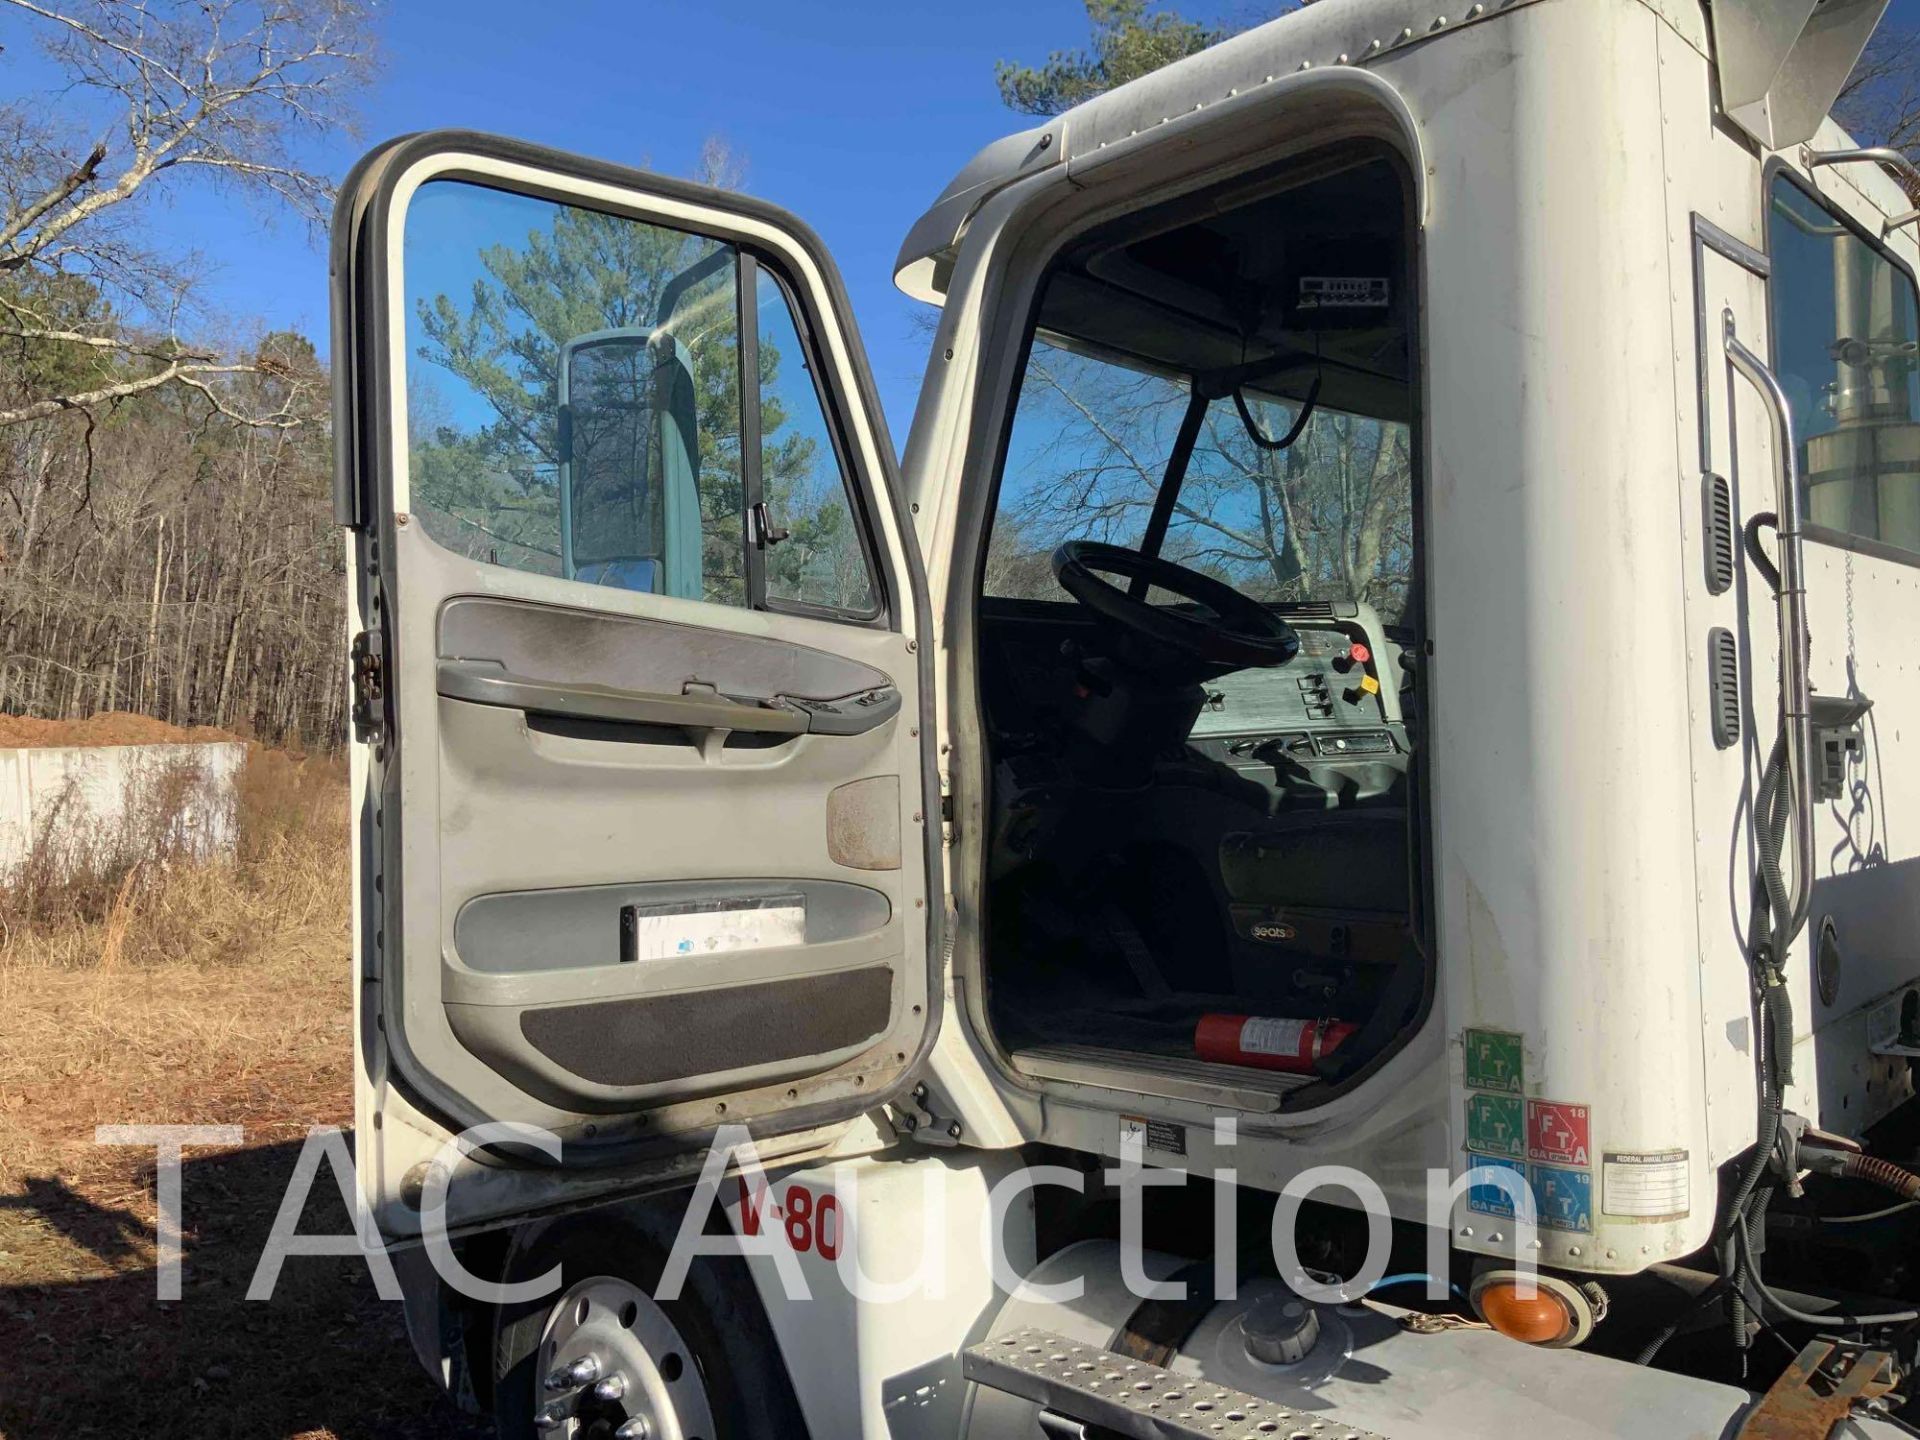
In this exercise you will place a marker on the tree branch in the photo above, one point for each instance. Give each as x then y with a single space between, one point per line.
58 404
104 342
77 178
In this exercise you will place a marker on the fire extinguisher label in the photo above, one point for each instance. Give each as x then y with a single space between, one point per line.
1270 1035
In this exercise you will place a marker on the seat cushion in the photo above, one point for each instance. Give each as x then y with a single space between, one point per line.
1321 860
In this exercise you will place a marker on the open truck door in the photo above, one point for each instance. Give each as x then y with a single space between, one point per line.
641 773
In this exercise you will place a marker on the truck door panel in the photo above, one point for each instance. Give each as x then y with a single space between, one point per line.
644 782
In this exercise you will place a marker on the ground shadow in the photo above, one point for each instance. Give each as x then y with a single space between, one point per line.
111 1234
325 1357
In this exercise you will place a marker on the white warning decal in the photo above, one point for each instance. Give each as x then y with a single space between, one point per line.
1645 1184
1270 1035
1163 1137
1343 292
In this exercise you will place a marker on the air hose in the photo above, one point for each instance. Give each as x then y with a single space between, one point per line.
1825 1321
1770 932
1773 1031
1768 938
1885 1174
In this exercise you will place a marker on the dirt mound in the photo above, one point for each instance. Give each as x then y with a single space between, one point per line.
110 727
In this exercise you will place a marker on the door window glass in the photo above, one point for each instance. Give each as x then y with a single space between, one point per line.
573 406
821 560
1844 332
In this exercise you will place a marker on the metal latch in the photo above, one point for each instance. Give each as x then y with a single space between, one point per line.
367 659
914 1116
766 534
1837 741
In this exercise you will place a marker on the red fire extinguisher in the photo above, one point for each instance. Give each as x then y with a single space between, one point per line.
1268 1042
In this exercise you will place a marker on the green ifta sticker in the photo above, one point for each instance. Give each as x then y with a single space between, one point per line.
1496 1125
1494 1063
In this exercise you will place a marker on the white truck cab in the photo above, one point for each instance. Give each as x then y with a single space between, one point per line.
1386 650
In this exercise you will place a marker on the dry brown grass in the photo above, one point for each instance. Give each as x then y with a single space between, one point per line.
147 988
139 968
90 896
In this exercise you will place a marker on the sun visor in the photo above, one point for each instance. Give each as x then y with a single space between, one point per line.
1782 62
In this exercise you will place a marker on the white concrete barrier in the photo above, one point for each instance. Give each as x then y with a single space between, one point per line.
97 786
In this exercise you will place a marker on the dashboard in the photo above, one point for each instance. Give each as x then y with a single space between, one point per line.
1327 729
1342 689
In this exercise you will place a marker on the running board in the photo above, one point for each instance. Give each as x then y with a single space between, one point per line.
1257 1092
1131 1398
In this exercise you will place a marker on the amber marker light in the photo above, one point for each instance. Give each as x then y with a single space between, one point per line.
1535 1310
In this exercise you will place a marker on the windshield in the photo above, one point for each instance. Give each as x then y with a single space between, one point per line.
1329 518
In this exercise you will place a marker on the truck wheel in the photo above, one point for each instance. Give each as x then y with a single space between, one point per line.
601 1359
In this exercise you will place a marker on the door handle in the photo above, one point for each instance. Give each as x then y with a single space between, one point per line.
483 682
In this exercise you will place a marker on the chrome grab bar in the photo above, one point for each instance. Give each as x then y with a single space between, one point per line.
1877 155
1796 690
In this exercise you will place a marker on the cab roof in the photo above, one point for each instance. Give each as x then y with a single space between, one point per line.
1781 64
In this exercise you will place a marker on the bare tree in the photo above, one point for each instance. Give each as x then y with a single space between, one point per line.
1880 103
165 539
186 567
230 90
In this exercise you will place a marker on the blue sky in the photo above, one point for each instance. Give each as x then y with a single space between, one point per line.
852 113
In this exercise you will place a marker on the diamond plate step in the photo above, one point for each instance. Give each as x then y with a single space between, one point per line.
1132 1398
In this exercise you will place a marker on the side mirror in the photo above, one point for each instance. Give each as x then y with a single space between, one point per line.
629 463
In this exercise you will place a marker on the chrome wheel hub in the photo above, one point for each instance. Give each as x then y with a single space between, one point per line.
614 1366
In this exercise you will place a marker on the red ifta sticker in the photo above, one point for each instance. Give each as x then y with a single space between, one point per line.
1557 1132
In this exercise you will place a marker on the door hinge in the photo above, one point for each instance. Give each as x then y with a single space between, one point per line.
914 1116
369 666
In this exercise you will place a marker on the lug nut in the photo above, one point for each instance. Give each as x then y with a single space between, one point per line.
635 1429
583 1371
611 1387
552 1418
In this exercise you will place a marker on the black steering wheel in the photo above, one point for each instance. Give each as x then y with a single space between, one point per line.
1221 628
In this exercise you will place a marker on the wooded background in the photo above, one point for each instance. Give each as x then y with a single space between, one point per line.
166 538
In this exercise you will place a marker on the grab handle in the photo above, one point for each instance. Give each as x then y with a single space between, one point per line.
486 682
1790 604
486 685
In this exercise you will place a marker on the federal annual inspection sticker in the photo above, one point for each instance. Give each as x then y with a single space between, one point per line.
1158 1137
1649 1185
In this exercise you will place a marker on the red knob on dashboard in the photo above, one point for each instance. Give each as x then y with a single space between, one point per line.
1361 653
